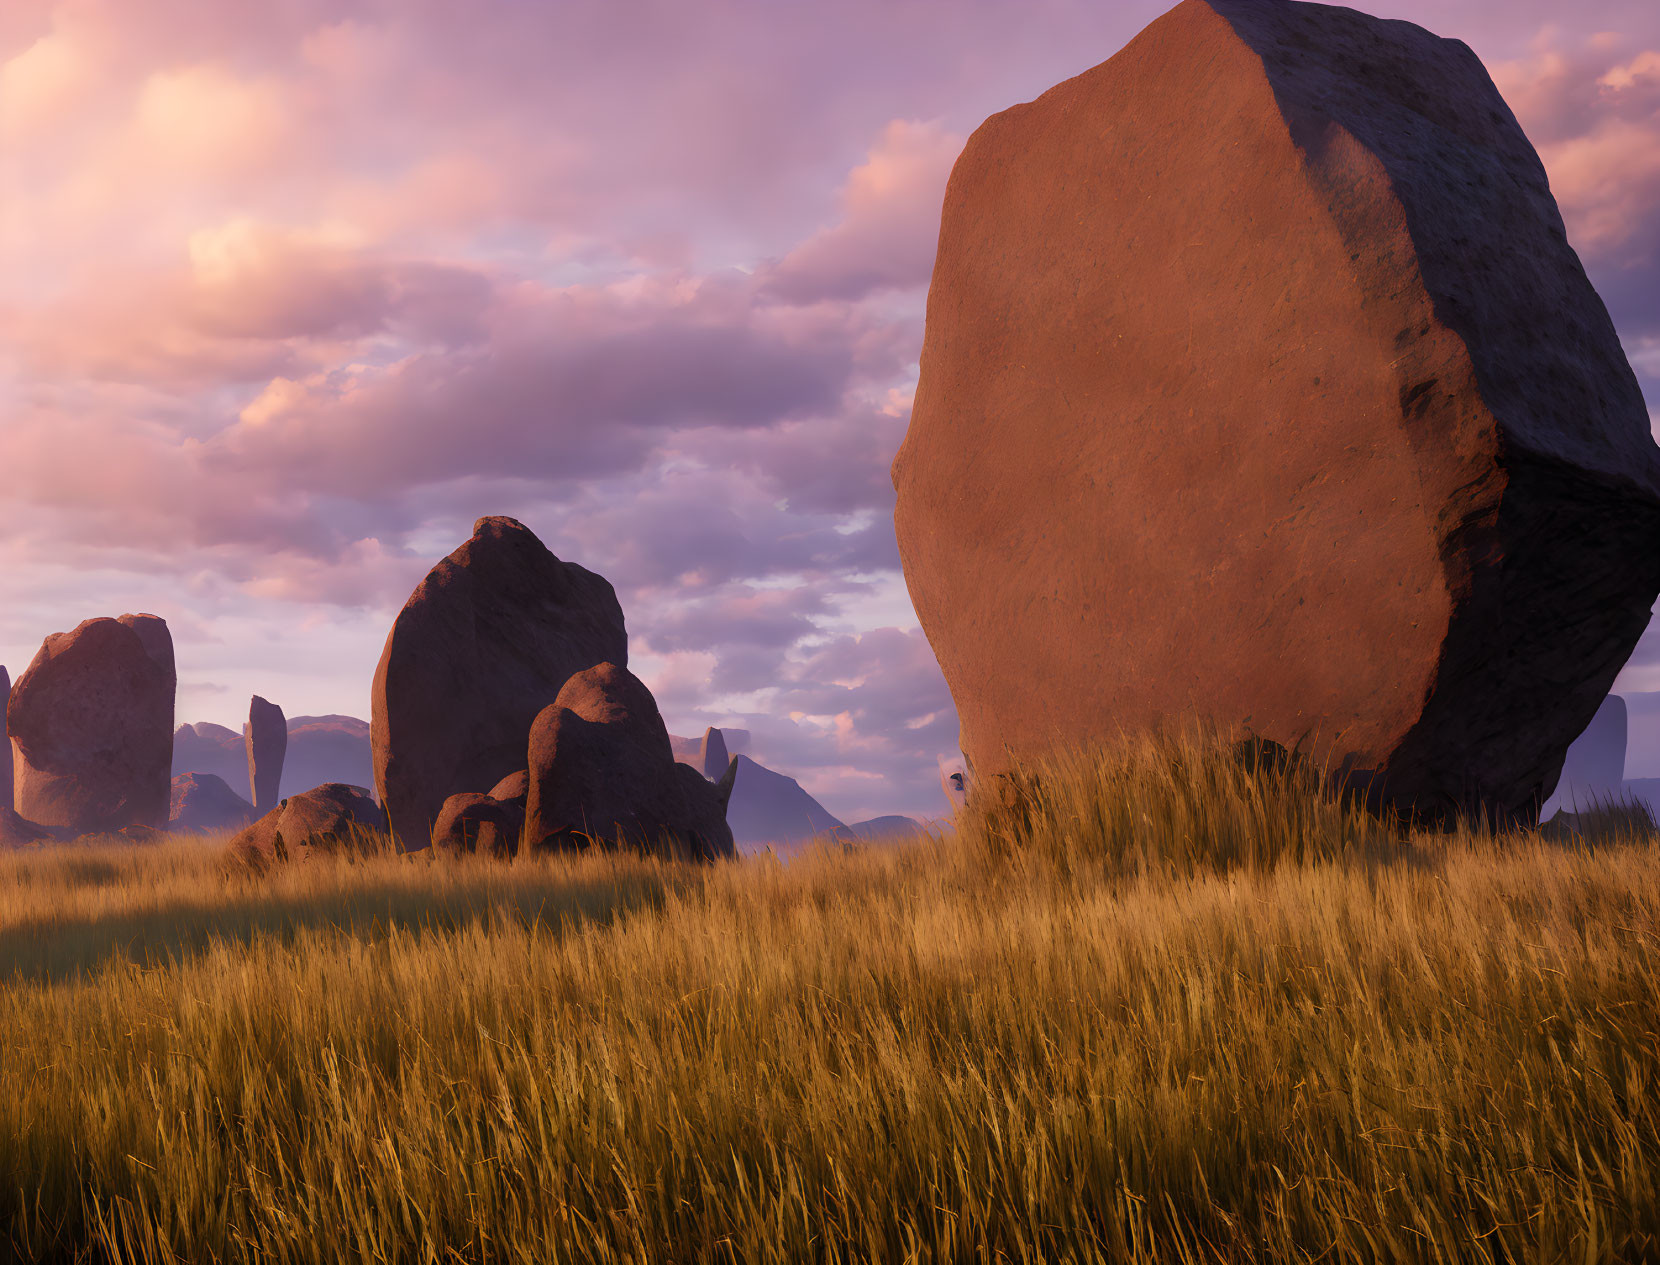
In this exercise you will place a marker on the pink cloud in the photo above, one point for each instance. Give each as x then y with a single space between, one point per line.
890 220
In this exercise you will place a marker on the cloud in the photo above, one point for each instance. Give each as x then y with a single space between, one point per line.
1591 105
889 225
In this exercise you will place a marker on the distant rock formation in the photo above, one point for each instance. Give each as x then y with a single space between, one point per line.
265 737
1260 381
885 829
91 724
602 770
323 819
713 758
484 643
769 808
5 743
691 750
202 802
324 749
320 749
1597 757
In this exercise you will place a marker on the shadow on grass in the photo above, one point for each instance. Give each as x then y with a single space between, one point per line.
245 908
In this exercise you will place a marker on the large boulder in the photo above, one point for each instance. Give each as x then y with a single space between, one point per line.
91 724
471 822
5 743
202 802
484 643
602 772
1260 383
328 818
265 737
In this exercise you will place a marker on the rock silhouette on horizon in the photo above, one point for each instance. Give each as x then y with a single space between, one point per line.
202 802
265 737
483 644
91 724
602 771
1260 383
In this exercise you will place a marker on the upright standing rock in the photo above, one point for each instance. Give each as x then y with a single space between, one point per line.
1260 382
91 723
266 737
5 743
483 644
713 752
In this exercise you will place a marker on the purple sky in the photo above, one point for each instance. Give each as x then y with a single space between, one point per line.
292 292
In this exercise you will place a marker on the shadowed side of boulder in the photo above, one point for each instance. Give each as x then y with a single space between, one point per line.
602 769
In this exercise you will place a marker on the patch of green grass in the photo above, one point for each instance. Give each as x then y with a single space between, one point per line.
1160 1006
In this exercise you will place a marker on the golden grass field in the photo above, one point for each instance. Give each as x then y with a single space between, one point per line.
1166 1009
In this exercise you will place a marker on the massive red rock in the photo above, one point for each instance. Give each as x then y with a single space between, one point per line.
265 737
1260 383
484 643
602 771
91 724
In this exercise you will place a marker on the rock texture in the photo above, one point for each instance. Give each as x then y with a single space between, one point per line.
5 743
324 819
484 643
203 802
1260 382
265 737
471 822
91 724
602 771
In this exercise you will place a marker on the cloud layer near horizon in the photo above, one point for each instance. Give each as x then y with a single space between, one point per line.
294 293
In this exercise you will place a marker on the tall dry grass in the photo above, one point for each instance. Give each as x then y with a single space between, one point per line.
1200 1012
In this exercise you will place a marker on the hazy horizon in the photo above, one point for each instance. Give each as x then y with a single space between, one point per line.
295 293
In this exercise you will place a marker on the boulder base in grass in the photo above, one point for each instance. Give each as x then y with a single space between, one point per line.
1260 382
202 802
326 818
483 644
265 738
602 770
91 723
16 832
483 824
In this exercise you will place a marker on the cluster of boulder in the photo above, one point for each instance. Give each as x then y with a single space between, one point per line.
1276 397
503 717
503 713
